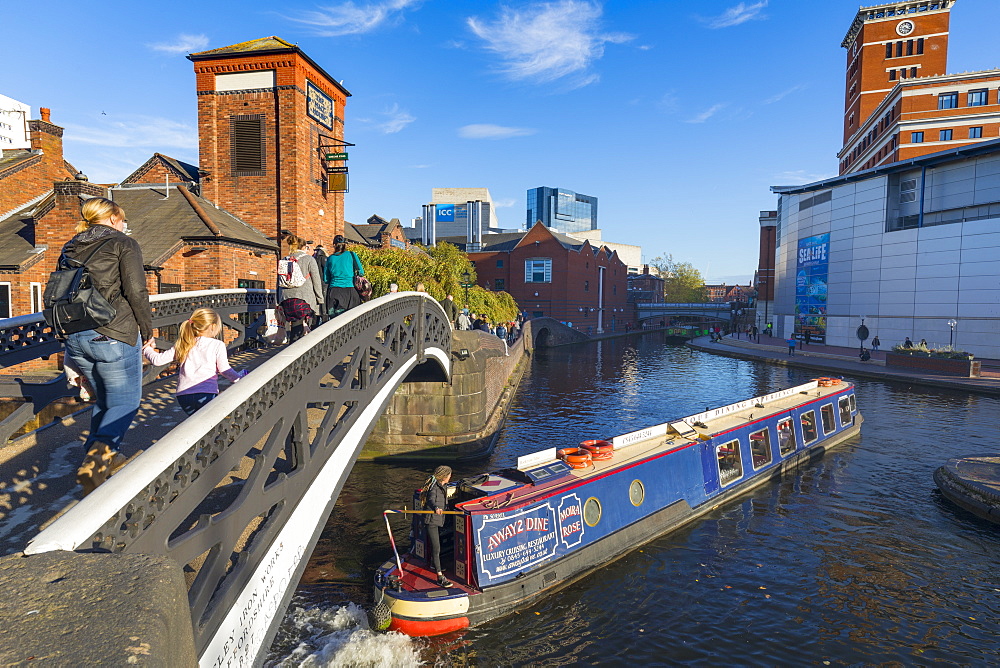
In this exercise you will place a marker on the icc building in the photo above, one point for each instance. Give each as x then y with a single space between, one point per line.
906 238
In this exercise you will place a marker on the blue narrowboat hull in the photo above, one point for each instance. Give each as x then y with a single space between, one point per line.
526 532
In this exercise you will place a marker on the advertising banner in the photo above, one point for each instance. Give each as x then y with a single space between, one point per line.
509 543
811 274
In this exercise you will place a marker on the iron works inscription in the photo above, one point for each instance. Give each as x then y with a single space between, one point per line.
319 105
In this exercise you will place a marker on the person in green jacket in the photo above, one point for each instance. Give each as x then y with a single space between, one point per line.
341 267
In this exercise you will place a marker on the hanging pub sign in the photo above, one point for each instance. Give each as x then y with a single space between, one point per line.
336 182
319 105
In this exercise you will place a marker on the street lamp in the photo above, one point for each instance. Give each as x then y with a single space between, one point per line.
951 335
466 283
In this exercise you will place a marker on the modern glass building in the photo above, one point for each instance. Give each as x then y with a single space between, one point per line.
561 210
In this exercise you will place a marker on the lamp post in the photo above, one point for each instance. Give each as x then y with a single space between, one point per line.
466 283
951 334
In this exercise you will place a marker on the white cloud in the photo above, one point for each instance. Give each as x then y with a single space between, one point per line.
489 131
134 131
736 15
504 203
183 44
549 41
707 114
348 18
783 94
800 176
390 121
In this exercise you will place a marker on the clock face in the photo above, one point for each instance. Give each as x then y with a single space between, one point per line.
904 28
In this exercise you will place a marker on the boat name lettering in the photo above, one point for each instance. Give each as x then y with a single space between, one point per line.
570 533
517 527
569 511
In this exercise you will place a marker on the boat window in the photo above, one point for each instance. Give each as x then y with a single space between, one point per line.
730 466
592 512
786 437
845 410
809 433
854 406
760 448
636 493
829 423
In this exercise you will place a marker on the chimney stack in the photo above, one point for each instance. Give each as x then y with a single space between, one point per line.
46 113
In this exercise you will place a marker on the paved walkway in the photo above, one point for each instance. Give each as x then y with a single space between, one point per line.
841 360
38 470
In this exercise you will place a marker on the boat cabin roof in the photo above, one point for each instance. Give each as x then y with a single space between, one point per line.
510 488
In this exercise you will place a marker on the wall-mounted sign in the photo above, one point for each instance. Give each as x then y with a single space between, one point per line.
445 213
336 156
319 105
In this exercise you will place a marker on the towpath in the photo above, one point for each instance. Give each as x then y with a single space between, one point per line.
840 360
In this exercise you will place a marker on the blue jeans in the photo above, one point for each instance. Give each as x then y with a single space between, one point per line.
114 371
190 403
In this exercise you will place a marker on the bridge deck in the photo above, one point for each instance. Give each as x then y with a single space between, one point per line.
37 471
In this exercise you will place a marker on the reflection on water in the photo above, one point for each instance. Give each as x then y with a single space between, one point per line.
853 560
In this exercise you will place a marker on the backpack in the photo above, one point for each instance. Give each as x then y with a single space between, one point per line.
290 273
71 302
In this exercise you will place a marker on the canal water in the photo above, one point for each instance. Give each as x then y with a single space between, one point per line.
854 560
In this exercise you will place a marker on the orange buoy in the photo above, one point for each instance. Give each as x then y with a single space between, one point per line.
579 459
600 450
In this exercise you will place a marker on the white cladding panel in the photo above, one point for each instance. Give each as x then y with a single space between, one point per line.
244 80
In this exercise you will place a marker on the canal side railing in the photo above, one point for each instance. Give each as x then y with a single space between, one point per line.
27 338
239 493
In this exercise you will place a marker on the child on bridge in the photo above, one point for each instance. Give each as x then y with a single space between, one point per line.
202 357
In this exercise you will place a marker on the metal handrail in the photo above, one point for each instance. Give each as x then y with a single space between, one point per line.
29 337
240 492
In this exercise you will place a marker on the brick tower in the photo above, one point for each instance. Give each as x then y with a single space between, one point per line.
889 43
267 115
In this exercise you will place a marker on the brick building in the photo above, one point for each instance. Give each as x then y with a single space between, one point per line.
377 233
645 287
267 117
899 100
554 275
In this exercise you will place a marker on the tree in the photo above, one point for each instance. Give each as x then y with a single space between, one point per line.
440 269
682 283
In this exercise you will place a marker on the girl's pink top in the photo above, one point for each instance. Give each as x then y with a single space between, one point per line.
205 361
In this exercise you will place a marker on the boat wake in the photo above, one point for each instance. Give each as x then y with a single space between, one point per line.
338 636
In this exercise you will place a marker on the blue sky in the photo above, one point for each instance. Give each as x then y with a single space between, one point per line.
678 116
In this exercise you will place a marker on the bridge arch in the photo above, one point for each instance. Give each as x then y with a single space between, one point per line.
239 493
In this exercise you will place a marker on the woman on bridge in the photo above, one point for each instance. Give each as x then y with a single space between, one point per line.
341 268
110 357
300 302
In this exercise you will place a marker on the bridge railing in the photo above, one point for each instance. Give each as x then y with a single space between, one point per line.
240 492
28 337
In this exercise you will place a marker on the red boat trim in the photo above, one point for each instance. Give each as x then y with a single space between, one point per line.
433 627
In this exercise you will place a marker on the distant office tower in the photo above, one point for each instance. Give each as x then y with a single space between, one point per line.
561 210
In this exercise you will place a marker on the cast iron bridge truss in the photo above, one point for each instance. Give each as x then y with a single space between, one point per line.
239 493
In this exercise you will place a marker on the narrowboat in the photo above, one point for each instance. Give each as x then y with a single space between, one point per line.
519 533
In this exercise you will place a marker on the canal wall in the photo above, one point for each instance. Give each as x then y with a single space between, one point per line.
73 609
457 420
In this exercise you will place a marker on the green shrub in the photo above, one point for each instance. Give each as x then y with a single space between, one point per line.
945 352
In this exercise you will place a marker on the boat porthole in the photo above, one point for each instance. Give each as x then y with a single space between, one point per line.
636 493
592 512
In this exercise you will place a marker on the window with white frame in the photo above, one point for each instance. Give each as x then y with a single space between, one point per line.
36 297
538 270
5 300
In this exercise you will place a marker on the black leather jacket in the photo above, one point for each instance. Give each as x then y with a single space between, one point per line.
117 272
